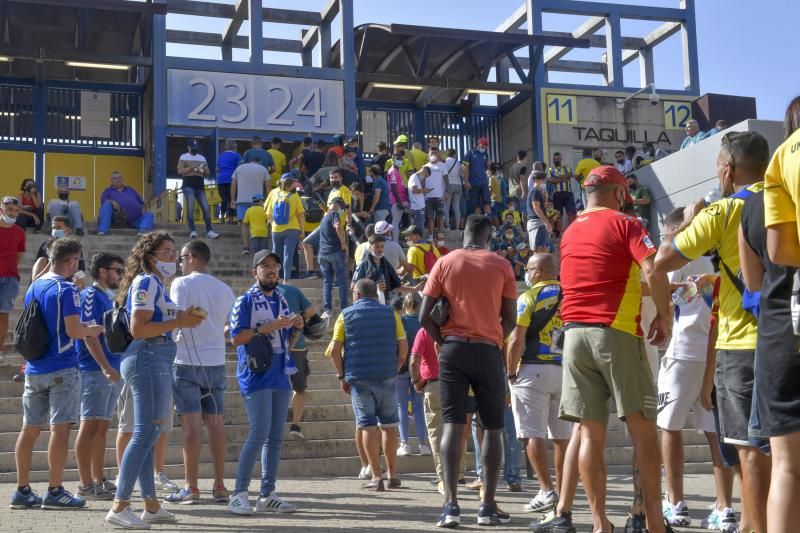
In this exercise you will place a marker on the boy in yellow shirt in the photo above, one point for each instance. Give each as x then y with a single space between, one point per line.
254 227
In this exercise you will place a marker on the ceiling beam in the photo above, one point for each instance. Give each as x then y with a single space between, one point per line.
655 37
583 67
599 41
522 39
445 83
330 11
581 32
44 55
105 5
240 12
240 41
514 21
228 11
292 16
627 11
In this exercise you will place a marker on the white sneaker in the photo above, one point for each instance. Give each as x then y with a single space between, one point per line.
161 516
365 473
212 235
404 449
193 235
101 233
543 501
274 504
727 522
424 449
164 484
240 504
676 515
126 519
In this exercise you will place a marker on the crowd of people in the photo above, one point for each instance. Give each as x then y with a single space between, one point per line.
517 371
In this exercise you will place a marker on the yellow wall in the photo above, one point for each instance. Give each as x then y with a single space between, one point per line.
17 166
97 170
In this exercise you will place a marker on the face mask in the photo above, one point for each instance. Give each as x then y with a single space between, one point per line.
409 242
398 163
509 236
440 243
63 196
9 220
376 256
432 159
267 286
57 233
512 208
528 281
482 150
167 269
193 151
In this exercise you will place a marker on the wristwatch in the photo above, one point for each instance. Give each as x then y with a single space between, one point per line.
512 376
340 377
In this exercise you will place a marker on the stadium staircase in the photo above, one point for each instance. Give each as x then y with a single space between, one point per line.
328 423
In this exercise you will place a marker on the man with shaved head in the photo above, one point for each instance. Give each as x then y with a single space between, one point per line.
534 372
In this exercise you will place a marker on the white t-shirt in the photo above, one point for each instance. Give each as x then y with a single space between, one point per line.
625 167
251 179
435 181
205 344
692 320
454 175
417 201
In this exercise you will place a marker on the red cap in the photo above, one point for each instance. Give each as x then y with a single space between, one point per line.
483 141
608 174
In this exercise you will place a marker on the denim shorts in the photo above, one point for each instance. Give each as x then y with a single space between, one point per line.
374 402
241 209
98 396
9 290
57 393
199 388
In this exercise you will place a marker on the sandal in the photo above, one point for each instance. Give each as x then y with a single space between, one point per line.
375 485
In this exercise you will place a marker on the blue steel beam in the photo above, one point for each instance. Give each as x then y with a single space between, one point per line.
239 67
256 32
159 135
614 51
348 66
691 68
638 12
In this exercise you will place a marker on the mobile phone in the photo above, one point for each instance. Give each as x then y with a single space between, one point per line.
198 312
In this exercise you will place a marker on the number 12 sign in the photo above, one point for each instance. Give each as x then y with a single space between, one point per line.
246 101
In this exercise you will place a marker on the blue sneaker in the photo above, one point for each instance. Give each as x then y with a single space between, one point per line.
62 499
490 514
25 501
450 517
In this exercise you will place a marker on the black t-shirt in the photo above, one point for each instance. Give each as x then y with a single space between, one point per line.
368 269
313 161
536 195
775 332
380 160
44 251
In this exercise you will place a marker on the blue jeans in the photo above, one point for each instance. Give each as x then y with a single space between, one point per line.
284 243
477 198
266 415
333 269
405 393
70 209
511 449
147 369
9 290
191 194
144 223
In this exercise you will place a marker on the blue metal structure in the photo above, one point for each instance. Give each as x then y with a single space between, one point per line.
444 68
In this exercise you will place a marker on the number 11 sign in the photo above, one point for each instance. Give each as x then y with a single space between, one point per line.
246 101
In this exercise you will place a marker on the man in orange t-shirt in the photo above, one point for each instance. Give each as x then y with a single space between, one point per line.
481 290
602 255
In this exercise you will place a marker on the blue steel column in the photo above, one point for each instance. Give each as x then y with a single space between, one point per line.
691 69
539 77
348 66
159 131
256 32
39 127
614 50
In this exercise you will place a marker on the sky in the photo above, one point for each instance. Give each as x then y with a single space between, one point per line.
745 48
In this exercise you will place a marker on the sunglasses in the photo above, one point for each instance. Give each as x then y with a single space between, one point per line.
180 259
10 200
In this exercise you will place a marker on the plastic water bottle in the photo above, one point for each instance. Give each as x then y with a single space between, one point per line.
685 293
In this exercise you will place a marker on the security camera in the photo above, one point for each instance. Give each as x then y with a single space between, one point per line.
654 98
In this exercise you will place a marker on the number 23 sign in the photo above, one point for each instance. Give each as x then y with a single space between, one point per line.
245 101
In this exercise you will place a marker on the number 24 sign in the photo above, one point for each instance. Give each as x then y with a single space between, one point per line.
245 101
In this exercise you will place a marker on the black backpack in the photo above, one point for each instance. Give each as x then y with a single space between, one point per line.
117 328
31 337
314 212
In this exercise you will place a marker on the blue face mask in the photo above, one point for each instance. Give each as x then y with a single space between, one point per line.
57 233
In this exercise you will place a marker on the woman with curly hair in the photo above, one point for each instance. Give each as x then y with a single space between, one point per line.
147 369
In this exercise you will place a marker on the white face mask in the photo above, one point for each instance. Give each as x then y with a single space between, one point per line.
433 159
398 163
9 220
167 269
440 243
528 281
376 256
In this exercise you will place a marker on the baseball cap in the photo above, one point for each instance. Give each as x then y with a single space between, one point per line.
261 255
308 140
191 143
483 141
608 174
257 197
412 229
401 139
276 140
522 246
288 176
382 228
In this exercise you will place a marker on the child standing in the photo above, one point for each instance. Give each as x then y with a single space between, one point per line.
495 193
254 227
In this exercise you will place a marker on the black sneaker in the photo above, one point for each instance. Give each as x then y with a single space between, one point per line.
295 433
636 524
490 514
450 517
550 523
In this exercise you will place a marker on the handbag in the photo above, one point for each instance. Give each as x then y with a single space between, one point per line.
440 312
117 324
259 354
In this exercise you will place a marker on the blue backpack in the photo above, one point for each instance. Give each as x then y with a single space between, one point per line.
282 209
